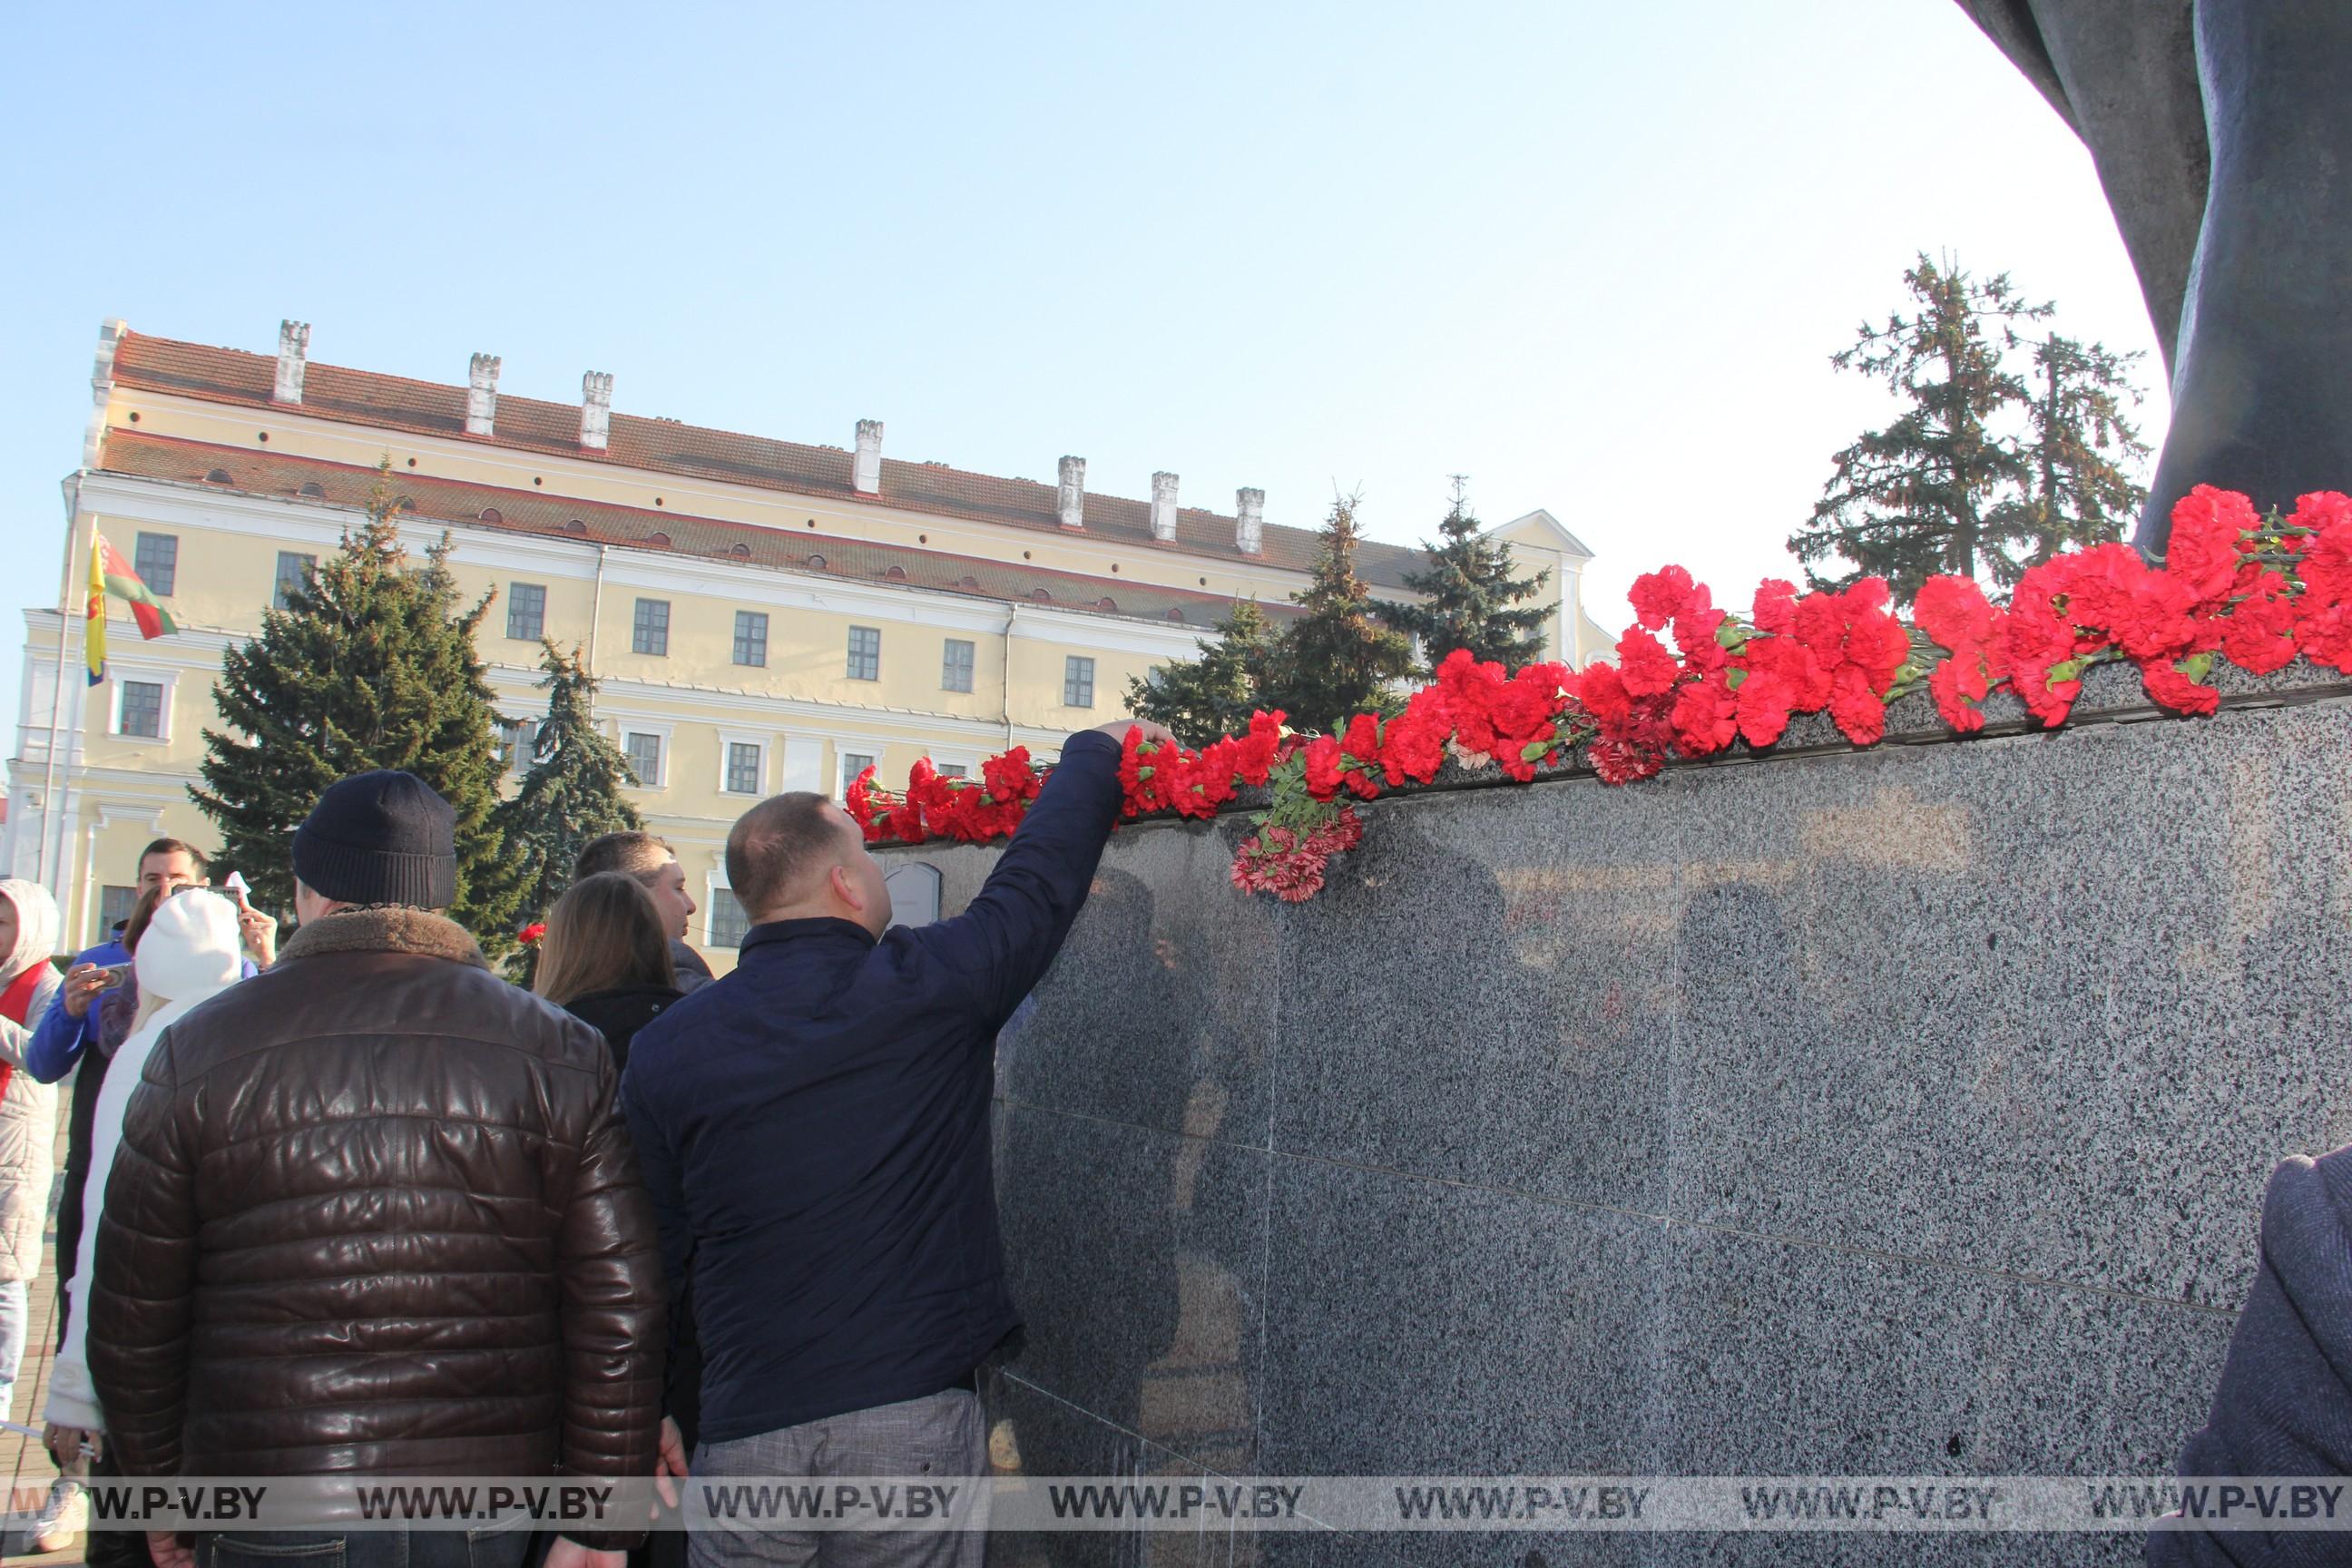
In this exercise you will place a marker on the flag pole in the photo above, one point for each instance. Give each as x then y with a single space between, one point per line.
72 487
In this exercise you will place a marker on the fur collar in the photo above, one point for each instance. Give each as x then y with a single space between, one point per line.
385 929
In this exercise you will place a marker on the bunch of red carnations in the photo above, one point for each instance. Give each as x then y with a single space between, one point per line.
2234 585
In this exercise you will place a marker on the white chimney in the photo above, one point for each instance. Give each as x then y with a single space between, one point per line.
1071 504
481 394
1163 506
595 409
1249 522
101 390
865 469
293 352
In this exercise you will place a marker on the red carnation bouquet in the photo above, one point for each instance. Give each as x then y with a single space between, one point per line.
1692 679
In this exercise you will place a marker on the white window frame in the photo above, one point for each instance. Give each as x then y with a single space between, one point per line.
513 583
971 670
713 884
623 728
730 738
520 765
967 761
1069 673
767 638
842 751
152 675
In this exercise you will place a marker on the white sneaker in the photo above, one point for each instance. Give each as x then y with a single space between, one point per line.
65 1516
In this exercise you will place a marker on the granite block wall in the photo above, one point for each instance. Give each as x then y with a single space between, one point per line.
1895 1111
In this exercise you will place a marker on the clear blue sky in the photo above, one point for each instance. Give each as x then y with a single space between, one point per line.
1595 255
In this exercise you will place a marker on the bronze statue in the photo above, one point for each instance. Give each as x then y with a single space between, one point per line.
2222 131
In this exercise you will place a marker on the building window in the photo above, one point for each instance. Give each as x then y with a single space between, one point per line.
142 709
518 743
728 923
114 907
852 765
644 753
1077 682
294 570
651 632
955 665
865 653
742 767
527 611
952 771
157 560
751 638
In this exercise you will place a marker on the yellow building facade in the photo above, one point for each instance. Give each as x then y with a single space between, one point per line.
763 616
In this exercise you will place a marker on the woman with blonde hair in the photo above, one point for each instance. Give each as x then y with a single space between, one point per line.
606 959
188 951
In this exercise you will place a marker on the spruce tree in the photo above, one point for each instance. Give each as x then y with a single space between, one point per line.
1981 474
1201 698
2082 445
370 665
1470 598
571 791
1337 659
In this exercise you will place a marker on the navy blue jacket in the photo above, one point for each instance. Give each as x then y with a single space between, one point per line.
2282 1407
814 1130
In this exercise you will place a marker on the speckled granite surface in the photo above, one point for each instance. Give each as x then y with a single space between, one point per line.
1902 1112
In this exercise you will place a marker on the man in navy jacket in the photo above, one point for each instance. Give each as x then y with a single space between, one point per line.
814 1130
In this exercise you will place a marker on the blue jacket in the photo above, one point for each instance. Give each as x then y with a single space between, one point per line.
814 1130
59 1038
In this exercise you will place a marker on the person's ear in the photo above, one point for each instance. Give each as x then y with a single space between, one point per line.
846 888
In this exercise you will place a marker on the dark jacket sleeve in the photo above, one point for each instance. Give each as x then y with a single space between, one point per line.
608 1254
1007 936
142 1291
2281 1408
665 1187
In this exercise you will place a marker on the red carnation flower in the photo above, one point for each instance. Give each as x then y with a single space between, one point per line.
1659 597
1765 700
1775 607
2209 530
1707 717
532 932
1644 665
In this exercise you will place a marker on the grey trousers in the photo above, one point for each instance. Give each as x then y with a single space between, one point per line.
943 1435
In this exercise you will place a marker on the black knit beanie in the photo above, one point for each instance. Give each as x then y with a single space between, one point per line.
382 837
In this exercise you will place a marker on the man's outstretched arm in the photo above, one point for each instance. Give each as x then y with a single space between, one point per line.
1010 932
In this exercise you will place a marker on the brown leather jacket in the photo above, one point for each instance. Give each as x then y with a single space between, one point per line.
376 1211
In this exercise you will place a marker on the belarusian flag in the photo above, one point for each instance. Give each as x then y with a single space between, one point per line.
110 573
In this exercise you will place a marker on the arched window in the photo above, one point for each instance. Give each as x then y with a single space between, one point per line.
492 515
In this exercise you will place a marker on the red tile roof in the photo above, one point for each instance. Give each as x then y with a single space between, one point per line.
535 512
665 446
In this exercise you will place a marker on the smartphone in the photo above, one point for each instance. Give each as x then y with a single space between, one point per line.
112 975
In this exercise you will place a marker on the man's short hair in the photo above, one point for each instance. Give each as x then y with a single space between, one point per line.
776 844
197 856
633 853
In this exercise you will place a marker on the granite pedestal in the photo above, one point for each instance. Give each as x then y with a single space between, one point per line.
1901 1111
